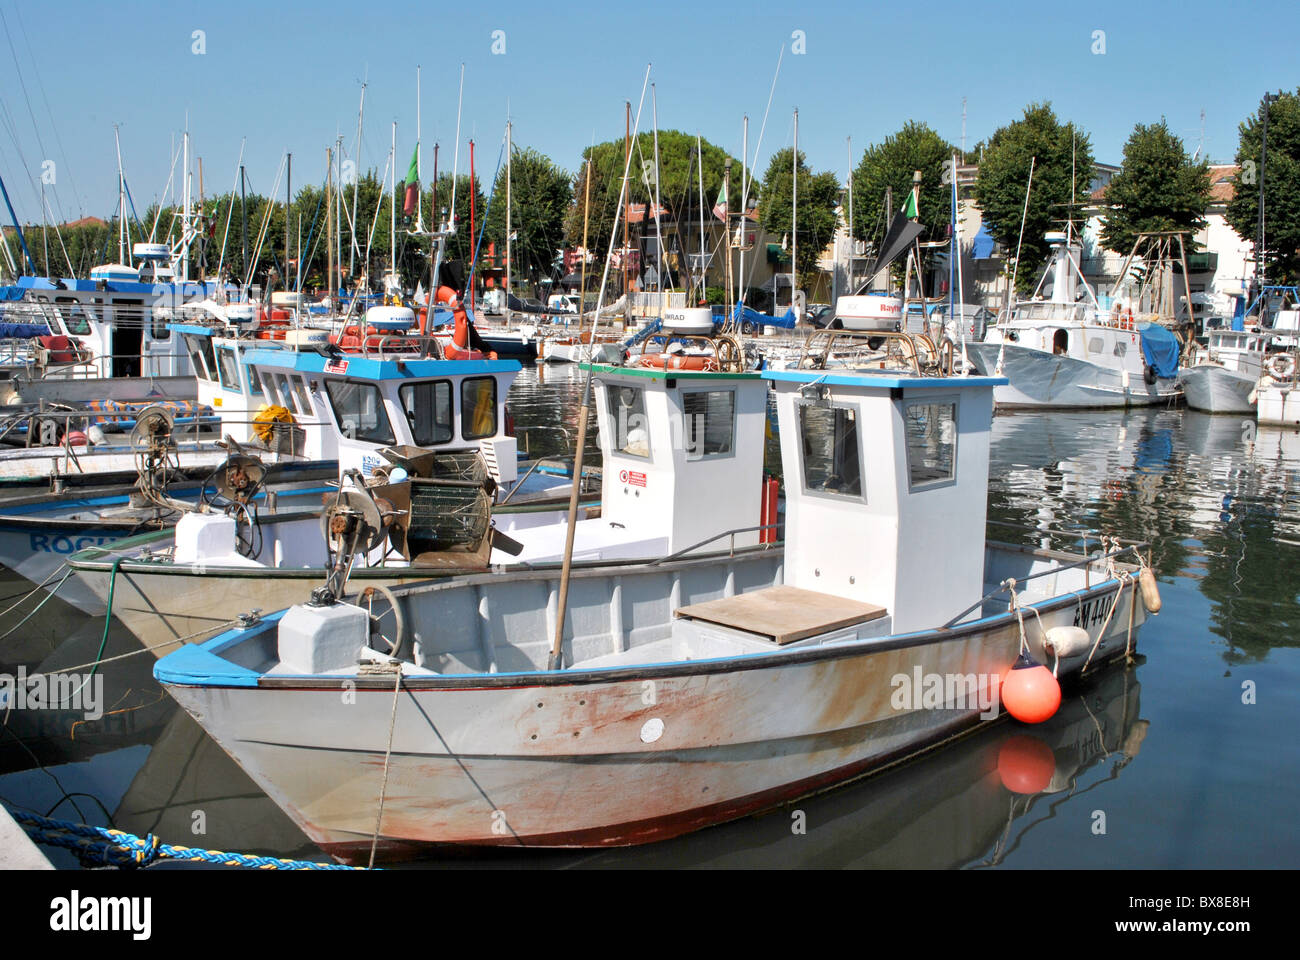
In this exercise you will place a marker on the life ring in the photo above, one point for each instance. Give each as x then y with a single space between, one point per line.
1281 366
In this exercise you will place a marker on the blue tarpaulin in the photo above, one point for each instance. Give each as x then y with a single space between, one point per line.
23 330
11 293
1160 349
743 314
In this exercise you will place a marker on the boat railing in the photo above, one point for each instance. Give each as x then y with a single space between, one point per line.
728 353
731 546
917 350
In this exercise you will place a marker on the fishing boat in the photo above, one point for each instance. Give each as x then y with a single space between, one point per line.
682 692
1064 352
668 436
1250 355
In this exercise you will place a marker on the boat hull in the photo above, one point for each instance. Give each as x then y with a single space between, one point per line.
1212 389
606 757
1279 404
1041 379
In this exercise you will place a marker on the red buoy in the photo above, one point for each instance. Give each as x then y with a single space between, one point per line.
77 439
1026 764
1030 692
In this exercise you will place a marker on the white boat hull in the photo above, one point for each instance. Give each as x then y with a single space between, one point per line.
1041 379
1279 404
627 752
1214 389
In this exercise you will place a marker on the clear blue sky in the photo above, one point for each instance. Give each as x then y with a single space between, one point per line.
288 77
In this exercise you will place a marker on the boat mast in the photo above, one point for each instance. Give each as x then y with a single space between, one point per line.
508 235
392 212
794 218
699 153
356 182
419 207
455 159
288 203
121 200
659 233
329 223
740 226
186 231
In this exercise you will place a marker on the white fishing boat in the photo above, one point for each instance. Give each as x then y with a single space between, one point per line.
682 692
1249 358
1065 352
668 436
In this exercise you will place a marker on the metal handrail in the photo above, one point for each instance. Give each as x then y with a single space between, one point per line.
729 533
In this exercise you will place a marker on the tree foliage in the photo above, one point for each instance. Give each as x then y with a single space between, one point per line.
1055 149
679 183
540 195
1281 175
818 197
890 165
1158 189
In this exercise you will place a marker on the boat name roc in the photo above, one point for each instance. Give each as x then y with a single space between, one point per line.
946 691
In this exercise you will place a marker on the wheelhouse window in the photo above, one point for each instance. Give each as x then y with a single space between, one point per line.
427 407
478 407
229 364
709 429
629 425
359 411
300 396
930 429
829 440
194 346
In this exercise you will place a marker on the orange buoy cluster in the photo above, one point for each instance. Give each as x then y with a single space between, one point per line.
1030 692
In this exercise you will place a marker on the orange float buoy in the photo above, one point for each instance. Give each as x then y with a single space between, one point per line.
1030 692
1026 764
77 439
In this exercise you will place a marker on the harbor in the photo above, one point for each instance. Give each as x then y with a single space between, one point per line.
472 491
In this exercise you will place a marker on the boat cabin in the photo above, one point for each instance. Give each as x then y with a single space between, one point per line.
886 479
362 404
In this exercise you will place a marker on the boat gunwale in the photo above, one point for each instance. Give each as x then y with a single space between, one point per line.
578 676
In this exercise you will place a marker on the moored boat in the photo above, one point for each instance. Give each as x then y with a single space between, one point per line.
686 691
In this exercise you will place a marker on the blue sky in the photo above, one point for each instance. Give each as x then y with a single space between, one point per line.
288 77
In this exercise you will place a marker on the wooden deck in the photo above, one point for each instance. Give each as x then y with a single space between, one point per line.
784 614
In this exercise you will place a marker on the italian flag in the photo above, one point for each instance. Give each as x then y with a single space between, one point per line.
910 209
412 183
720 208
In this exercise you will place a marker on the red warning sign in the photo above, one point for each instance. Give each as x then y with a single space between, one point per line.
632 478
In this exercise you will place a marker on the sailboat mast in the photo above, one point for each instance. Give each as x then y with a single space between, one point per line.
455 159
699 154
794 216
288 204
744 194
508 237
659 233
121 200
419 207
186 232
356 182
392 210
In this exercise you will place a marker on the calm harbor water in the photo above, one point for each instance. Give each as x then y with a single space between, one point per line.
1186 759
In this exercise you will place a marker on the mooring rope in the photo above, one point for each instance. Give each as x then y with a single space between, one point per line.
36 609
396 666
117 848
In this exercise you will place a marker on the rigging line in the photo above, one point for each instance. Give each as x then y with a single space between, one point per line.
763 127
76 193
23 84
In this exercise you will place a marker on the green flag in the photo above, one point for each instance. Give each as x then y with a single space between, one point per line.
412 183
910 210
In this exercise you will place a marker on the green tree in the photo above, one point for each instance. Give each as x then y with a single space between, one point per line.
1158 189
890 165
1281 173
819 195
678 176
540 195
1055 149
